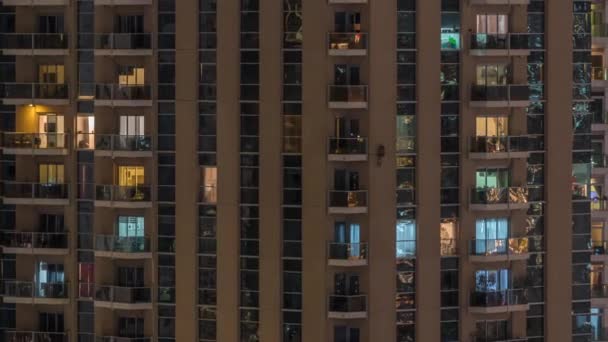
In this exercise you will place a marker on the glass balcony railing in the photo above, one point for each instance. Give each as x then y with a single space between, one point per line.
599 290
35 190
347 93
28 289
123 41
512 92
123 92
130 143
599 74
139 193
499 298
491 247
599 30
598 204
348 199
35 140
208 194
122 244
31 41
501 41
125 295
121 339
448 247
356 145
347 251
35 336
598 160
346 304
347 41
13 239
599 247
500 144
47 91
489 196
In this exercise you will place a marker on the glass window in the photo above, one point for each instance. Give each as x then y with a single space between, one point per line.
492 126
492 74
131 75
492 280
51 174
492 178
130 175
493 23
130 226
406 238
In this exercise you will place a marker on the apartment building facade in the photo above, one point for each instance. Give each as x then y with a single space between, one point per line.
302 170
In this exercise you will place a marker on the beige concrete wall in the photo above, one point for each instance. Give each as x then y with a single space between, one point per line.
228 171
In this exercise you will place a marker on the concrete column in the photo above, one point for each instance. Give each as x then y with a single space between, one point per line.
382 174
314 184
558 159
428 171
271 29
228 14
186 211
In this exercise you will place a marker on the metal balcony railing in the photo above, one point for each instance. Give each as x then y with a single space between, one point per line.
347 251
35 190
14 239
348 198
125 295
489 196
139 193
30 289
346 146
123 92
347 40
500 144
346 304
490 247
24 91
35 140
122 244
32 41
123 41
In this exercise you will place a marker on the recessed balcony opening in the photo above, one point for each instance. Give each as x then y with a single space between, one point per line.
50 327
347 92
597 194
50 239
128 38
130 90
122 2
500 2
493 242
495 331
496 292
494 88
129 192
492 37
34 44
347 144
347 249
49 287
128 292
347 198
51 189
347 302
347 38
49 139
129 240
494 192
50 89
36 2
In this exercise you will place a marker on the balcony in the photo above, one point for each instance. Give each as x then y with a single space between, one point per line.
35 336
599 295
347 149
599 77
500 96
124 146
122 2
511 198
51 94
499 301
27 292
347 254
121 339
41 144
36 193
122 247
600 120
599 34
123 44
34 44
504 147
119 95
499 250
347 307
347 96
599 164
347 43
34 243
599 208
36 2
347 202
599 251
506 44
498 339
500 2
116 196
123 298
